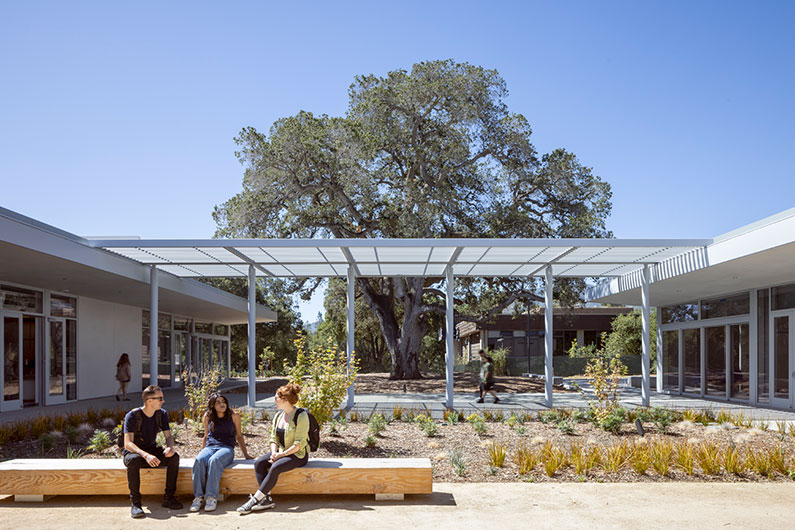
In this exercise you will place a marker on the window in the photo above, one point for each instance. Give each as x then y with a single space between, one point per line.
671 360
716 361
783 297
726 306
691 339
19 299
63 306
680 313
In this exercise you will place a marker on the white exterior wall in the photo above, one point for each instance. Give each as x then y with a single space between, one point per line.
104 331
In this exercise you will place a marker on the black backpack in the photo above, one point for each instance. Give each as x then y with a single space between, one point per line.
314 428
139 421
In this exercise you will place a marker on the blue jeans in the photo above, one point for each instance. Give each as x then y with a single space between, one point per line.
208 468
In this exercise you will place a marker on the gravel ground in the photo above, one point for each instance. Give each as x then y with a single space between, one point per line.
405 439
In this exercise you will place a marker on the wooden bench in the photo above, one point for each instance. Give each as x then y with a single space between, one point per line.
386 478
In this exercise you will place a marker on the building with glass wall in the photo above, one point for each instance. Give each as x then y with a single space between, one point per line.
726 315
68 310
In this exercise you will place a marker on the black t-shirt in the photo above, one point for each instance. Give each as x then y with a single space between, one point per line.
147 438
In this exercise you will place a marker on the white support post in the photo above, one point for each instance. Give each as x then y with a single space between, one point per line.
660 373
350 328
645 337
449 353
252 336
549 344
153 333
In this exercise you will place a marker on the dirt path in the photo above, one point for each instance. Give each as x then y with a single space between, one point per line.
522 505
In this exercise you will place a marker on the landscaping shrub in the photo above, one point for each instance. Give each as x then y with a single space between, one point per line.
663 418
500 357
478 423
639 458
46 442
686 458
324 378
100 441
377 424
583 460
198 394
72 453
734 462
92 417
708 456
497 454
661 454
457 462
616 457
526 458
605 377
566 426
397 413
370 441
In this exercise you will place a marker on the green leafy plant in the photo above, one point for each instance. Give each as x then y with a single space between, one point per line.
478 423
72 453
512 421
71 433
370 441
247 419
605 377
566 426
99 441
500 357
324 376
377 424
663 418
198 394
457 462
46 442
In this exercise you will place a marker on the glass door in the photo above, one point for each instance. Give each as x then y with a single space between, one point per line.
11 369
55 362
782 358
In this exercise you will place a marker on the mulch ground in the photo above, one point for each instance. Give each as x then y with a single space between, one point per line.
405 439
464 382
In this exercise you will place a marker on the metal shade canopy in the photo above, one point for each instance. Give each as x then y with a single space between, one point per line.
297 258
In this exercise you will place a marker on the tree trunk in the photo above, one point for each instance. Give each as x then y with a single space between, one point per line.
403 342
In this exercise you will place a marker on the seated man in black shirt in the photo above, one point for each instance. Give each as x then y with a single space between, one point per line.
141 426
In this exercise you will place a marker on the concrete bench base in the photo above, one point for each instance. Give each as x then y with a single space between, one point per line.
387 478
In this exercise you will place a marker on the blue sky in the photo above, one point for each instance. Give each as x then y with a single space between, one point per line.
119 119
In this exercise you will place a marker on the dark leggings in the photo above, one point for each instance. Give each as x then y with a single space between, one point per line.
268 474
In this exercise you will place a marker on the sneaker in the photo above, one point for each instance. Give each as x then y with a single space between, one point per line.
136 512
196 505
211 505
171 503
479 401
247 506
264 504
496 400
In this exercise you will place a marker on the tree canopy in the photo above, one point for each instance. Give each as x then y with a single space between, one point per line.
430 153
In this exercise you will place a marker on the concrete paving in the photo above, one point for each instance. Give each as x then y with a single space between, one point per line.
366 404
461 506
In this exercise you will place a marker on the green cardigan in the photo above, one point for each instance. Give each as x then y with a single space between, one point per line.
297 432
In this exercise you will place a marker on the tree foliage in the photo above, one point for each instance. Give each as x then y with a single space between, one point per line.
430 153
626 336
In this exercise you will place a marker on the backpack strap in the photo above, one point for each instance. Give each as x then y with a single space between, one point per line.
298 410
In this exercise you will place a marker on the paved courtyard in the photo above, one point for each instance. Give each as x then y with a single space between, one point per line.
501 505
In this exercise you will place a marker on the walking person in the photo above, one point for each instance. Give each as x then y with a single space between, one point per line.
141 426
487 377
289 448
222 427
123 376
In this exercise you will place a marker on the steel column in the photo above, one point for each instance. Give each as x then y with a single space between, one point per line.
449 353
252 336
646 337
350 328
153 333
549 344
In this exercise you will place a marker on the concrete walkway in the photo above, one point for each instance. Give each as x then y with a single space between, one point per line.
460 506
366 404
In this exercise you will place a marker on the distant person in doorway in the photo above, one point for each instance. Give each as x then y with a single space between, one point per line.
141 426
222 427
123 376
289 448
487 377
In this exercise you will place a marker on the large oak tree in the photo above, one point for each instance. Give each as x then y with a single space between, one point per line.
430 153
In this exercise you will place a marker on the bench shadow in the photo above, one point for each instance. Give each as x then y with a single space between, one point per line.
284 503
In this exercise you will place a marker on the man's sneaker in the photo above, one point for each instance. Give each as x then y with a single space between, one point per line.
171 503
196 505
211 505
496 399
480 400
264 504
136 512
